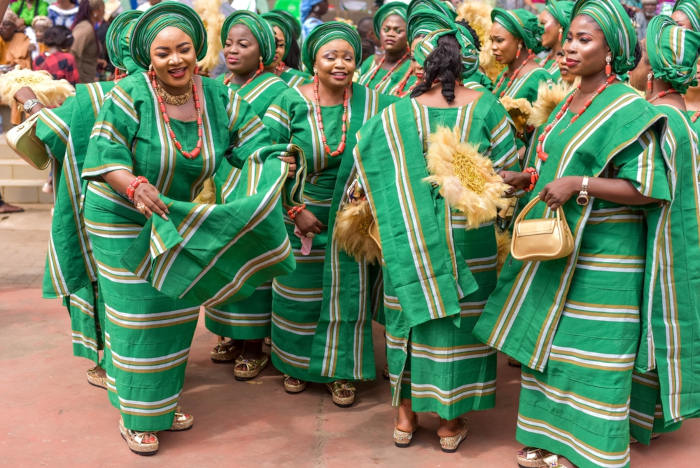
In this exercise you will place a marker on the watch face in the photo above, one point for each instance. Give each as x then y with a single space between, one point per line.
582 199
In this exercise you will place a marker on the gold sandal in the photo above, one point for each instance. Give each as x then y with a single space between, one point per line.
403 439
225 351
450 444
533 457
293 385
246 369
181 421
342 392
141 443
97 376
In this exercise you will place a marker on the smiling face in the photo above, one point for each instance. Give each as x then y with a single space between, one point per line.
392 35
335 64
173 58
241 51
504 45
279 46
551 29
585 47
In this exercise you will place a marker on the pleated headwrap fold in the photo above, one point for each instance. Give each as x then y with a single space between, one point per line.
673 54
617 29
468 51
385 11
522 24
691 8
274 20
159 17
325 33
424 21
444 7
561 11
118 38
261 30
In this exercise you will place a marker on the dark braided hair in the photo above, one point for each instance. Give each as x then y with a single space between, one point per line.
475 36
293 58
444 64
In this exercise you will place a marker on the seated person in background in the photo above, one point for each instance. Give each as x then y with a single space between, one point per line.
14 45
56 60
28 9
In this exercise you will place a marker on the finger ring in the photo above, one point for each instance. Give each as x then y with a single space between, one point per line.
140 206
310 235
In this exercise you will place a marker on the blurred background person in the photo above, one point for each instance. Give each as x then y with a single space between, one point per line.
643 16
62 12
57 60
28 9
86 47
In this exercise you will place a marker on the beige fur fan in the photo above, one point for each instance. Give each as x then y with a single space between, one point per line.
50 92
213 20
519 109
478 15
466 179
503 247
548 98
356 231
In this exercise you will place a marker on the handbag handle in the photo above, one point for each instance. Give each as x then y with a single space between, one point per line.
530 205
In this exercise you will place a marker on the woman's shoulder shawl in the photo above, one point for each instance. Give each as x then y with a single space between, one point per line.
391 165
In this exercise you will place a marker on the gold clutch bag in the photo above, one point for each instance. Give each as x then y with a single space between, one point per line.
23 140
541 239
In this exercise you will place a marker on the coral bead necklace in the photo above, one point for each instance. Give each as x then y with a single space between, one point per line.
257 73
388 73
515 74
317 101
200 129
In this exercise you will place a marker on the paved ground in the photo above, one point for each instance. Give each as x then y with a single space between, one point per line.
52 417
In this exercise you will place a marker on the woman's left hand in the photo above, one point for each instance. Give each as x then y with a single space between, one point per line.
292 161
559 191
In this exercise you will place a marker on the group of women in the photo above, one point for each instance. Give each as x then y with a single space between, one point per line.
182 191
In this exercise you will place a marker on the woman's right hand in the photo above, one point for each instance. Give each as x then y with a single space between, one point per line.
517 180
307 222
147 201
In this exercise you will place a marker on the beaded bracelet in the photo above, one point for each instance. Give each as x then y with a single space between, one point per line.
534 177
132 186
295 210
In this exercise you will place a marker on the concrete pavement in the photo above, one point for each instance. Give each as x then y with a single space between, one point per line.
50 416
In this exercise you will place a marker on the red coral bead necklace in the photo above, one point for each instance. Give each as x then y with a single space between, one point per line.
317 101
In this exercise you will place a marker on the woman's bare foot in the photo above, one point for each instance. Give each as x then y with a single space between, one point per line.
406 419
451 427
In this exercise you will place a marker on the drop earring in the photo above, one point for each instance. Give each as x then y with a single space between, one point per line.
520 48
608 67
561 31
650 77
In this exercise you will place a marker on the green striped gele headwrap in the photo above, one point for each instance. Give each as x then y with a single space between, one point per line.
673 52
561 11
325 33
287 24
160 16
260 29
469 53
387 10
521 24
691 8
423 21
118 38
444 7
617 28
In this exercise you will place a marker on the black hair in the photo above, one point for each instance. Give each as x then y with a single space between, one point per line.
58 36
367 48
637 54
293 58
444 64
83 13
475 36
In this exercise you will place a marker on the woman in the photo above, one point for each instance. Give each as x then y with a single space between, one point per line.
249 46
171 128
287 56
311 13
435 363
383 74
28 9
86 47
686 13
555 20
574 322
322 118
662 397
62 12
515 39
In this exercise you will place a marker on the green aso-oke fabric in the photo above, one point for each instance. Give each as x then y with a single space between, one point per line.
444 8
274 18
673 53
160 16
118 38
326 283
424 20
290 22
260 29
437 273
524 85
469 53
691 9
577 320
561 11
325 33
148 333
294 77
522 24
375 77
387 10
250 318
617 28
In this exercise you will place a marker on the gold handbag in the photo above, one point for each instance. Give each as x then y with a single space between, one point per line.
23 140
541 239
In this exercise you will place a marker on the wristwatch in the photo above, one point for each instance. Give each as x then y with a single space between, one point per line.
29 104
583 197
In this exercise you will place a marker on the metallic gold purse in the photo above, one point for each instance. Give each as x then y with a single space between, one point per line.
541 239
23 140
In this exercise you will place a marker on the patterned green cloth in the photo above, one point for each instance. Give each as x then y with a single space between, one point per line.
524 86
294 77
300 311
275 18
437 273
147 333
561 11
469 53
577 319
552 67
377 78
325 33
691 8
673 54
118 39
522 24
424 20
261 30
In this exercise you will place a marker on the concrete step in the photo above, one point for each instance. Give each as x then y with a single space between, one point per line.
20 169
